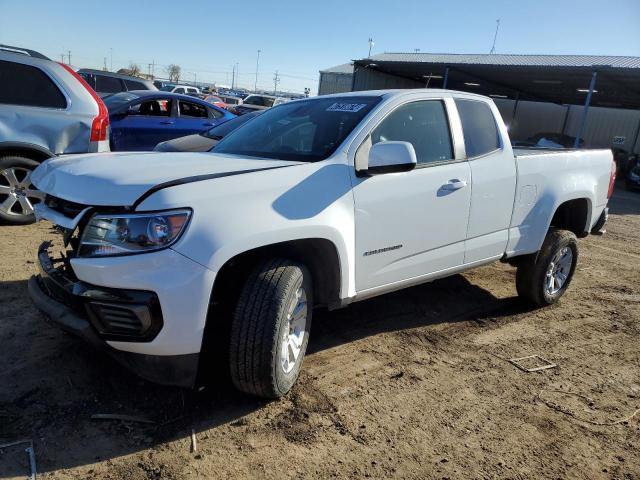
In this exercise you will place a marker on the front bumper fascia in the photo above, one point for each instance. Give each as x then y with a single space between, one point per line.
64 301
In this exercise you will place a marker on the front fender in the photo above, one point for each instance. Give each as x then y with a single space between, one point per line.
235 214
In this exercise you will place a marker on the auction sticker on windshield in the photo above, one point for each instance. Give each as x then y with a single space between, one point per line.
346 107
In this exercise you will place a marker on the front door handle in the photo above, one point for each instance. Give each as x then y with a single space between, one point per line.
167 122
454 184
209 124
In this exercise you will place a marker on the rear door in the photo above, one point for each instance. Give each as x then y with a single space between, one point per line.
147 123
194 118
494 179
412 224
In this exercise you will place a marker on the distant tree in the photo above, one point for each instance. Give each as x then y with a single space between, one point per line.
134 69
174 72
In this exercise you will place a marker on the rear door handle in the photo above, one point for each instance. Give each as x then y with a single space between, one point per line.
454 184
167 122
209 124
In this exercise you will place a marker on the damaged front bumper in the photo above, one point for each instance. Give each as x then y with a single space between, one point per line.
99 314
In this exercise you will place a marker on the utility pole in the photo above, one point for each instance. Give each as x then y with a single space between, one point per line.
111 52
495 37
371 44
233 77
69 57
149 70
105 64
62 57
276 81
255 85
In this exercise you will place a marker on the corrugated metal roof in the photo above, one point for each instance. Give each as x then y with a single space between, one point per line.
509 60
344 68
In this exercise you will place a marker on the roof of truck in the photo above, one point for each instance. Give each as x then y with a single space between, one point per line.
398 92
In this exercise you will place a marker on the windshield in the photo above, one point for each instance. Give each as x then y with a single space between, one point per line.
167 88
307 130
114 101
259 100
224 129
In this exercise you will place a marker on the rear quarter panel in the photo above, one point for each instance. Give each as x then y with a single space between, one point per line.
58 130
548 179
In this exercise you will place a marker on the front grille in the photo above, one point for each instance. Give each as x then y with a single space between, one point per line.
65 207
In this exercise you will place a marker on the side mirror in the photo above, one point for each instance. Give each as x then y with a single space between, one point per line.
391 157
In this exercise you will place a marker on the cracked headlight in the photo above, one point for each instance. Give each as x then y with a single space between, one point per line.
123 234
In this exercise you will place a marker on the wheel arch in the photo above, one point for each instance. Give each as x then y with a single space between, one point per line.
573 215
319 255
29 150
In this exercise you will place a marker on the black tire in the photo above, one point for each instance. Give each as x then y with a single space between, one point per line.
259 324
531 275
22 163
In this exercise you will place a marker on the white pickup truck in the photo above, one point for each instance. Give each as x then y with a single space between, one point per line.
174 261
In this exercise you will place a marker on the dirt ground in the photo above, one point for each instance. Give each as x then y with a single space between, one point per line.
414 384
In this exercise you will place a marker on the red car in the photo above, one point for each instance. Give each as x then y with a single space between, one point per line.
215 101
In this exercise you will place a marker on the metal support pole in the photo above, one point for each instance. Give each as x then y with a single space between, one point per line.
566 119
515 109
585 110
446 78
635 139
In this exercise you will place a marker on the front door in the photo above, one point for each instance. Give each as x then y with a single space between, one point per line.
412 224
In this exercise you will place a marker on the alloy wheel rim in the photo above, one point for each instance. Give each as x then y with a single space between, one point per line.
294 331
558 271
17 193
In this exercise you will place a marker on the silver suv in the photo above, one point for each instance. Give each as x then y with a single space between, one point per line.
46 109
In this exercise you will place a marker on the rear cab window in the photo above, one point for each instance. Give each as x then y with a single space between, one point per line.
479 126
28 86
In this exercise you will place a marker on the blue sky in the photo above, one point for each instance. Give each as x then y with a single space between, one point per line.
300 37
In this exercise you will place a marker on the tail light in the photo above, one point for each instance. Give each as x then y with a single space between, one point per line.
100 123
612 179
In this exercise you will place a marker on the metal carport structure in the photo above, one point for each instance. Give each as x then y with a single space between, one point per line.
589 80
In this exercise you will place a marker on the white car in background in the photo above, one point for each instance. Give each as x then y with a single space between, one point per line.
176 262
184 89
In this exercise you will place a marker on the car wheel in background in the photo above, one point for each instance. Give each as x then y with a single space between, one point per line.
270 328
543 278
17 194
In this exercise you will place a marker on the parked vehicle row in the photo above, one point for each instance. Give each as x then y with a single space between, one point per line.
142 119
172 262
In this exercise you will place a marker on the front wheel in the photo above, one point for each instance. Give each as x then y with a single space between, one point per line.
543 278
270 328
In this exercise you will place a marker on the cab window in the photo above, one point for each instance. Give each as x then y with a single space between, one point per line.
479 127
424 125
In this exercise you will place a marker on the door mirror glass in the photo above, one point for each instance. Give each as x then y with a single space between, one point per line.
391 157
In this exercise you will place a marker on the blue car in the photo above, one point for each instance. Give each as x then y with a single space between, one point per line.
141 119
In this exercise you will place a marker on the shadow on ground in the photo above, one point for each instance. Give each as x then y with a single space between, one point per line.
52 383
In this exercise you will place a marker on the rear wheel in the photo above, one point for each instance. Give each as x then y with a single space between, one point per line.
543 278
17 193
270 328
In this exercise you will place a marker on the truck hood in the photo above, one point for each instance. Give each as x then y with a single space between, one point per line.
119 179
